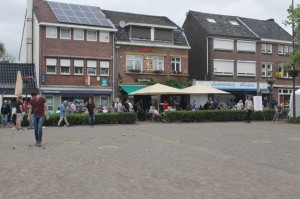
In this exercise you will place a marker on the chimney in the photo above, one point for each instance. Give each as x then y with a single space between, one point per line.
29 30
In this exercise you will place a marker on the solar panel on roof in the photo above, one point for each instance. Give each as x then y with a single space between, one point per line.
79 14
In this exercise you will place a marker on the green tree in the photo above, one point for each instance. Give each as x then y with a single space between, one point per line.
294 17
4 56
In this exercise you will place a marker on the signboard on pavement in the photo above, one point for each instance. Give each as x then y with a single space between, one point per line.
257 100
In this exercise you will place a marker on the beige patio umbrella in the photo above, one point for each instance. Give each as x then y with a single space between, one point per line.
19 84
201 89
158 90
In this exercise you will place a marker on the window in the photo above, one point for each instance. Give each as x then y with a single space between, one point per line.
91 67
266 70
284 49
234 23
104 36
223 67
211 20
134 62
91 35
78 67
141 33
65 66
78 34
158 63
283 73
104 68
266 48
50 102
51 32
51 65
104 101
163 35
176 65
223 44
65 33
246 46
246 68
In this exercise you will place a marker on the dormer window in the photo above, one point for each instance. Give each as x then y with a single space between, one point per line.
141 33
211 20
234 23
163 35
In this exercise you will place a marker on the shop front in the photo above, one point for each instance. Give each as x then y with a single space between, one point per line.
54 97
238 90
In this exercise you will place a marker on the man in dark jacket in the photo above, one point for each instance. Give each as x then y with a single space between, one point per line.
91 107
5 110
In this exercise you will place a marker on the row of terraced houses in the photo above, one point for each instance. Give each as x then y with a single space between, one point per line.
78 51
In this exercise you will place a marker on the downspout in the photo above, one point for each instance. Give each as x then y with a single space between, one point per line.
114 66
206 58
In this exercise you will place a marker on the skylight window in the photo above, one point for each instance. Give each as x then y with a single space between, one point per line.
211 20
234 23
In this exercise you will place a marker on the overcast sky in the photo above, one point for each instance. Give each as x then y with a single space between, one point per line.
12 12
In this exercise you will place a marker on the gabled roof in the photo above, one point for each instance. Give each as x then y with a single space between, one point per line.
267 29
247 28
222 27
130 18
43 12
8 74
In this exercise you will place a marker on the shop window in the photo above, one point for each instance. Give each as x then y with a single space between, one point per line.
266 70
78 67
134 63
50 102
65 66
104 101
51 64
176 65
91 67
104 68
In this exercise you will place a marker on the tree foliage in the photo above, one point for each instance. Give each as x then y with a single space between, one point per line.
4 56
294 17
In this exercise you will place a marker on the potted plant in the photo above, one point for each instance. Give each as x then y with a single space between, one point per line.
134 70
158 71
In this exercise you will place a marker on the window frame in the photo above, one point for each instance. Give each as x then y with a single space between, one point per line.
65 66
47 32
101 36
264 48
76 65
87 35
134 59
55 66
158 60
174 62
266 69
105 67
246 74
69 35
74 33
216 73
88 62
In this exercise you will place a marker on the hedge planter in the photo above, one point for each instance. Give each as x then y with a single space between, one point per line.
293 73
82 119
216 116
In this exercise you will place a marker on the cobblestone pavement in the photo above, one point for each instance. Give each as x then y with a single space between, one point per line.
231 160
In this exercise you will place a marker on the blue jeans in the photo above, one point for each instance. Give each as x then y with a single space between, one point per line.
31 123
4 119
91 119
38 128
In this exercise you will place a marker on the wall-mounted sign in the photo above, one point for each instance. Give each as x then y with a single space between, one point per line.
277 74
147 50
232 86
148 63
104 82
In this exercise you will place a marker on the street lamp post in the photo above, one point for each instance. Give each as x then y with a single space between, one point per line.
270 86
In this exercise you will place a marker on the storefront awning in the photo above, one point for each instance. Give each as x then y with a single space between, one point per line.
78 92
132 88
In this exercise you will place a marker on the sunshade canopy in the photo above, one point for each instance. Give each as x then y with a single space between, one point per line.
158 89
201 89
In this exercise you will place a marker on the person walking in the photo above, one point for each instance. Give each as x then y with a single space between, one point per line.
20 112
62 113
5 110
40 107
91 108
248 108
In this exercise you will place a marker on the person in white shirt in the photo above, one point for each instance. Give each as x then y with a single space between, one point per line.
240 105
248 108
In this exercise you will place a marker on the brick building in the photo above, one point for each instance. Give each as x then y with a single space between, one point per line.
238 55
148 48
72 49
